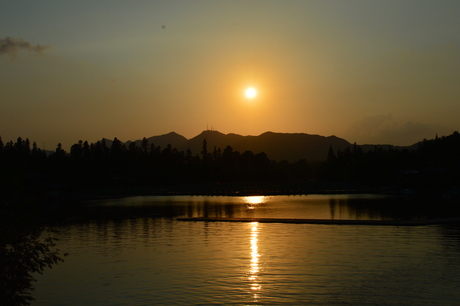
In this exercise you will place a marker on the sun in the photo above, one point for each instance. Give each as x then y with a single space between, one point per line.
250 92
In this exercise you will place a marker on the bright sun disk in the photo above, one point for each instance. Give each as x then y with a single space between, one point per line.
250 93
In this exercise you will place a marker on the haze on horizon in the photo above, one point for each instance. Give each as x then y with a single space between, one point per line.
366 71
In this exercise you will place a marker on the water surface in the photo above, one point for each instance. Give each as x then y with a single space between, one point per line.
133 252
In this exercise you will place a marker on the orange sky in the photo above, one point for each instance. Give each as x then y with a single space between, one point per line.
366 71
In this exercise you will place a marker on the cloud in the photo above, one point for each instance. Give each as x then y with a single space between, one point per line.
12 46
386 129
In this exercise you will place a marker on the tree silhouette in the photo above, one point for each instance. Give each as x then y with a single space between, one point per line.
26 247
145 146
204 152
331 155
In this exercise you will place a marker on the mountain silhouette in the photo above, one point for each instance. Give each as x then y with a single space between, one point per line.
172 138
277 146
292 146
213 139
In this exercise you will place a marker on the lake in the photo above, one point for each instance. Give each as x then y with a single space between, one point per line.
133 251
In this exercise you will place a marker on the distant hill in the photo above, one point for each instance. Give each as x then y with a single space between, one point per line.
172 138
213 139
292 147
277 146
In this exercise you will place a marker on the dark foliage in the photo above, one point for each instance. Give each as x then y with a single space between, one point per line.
434 164
26 248
145 164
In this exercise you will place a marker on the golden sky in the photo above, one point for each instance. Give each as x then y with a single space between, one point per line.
367 71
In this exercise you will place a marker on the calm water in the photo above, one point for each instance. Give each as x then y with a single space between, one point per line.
133 252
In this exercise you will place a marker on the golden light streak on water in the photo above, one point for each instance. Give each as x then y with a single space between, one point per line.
254 265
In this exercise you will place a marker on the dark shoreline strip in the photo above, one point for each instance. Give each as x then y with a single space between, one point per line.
328 221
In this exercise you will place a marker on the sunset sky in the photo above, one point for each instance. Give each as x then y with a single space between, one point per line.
367 71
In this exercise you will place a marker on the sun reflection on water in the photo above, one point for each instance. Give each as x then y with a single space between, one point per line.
253 201
254 266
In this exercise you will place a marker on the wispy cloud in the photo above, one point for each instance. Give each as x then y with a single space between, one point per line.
12 46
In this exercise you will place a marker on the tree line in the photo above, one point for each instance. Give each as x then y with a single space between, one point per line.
96 164
434 162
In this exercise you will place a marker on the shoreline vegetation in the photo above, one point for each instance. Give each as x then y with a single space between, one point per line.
329 221
221 189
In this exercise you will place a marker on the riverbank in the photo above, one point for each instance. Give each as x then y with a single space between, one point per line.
329 221
209 189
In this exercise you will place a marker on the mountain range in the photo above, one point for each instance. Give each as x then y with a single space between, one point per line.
277 146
